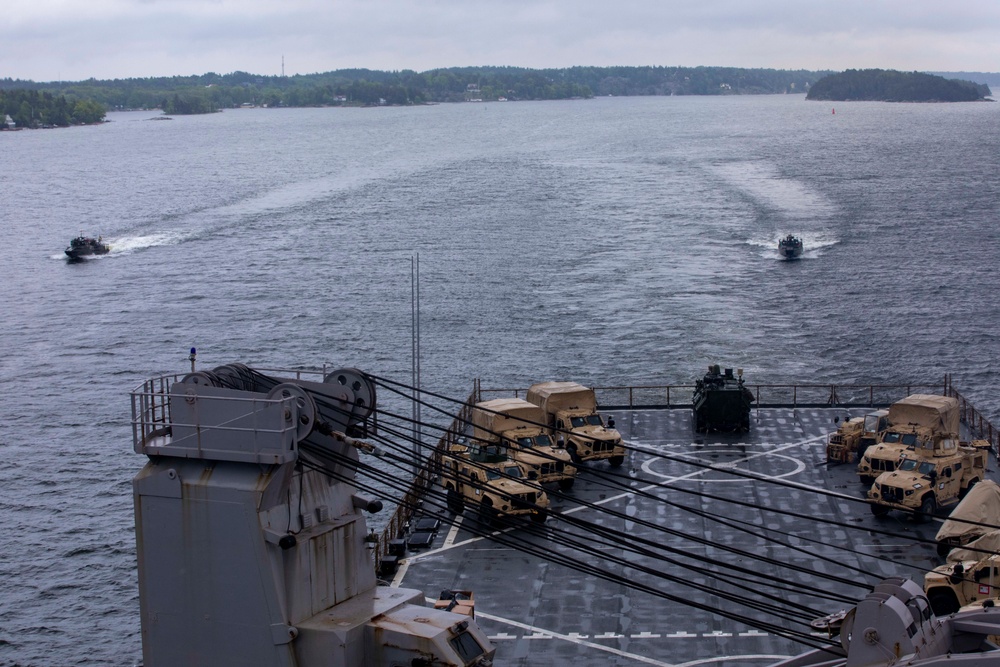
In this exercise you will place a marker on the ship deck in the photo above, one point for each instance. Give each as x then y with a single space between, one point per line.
542 613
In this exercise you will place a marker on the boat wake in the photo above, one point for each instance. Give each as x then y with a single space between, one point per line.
764 184
128 244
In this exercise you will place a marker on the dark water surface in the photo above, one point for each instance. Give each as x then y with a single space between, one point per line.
611 241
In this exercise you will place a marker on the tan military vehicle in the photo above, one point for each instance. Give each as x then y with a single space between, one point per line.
519 425
938 473
970 575
971 518
912 420
482 475
843 442
571 409
856 435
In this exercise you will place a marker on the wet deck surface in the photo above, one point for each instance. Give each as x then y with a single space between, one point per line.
540 613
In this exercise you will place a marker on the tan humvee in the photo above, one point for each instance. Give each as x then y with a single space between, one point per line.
912 420
843 442
971 575
937 474
571 410
484 476
519 425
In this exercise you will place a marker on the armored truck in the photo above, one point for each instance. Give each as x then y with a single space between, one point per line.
721 402
843 442
484 476
856 435
519 425
936 474
961 582
912 420
571 410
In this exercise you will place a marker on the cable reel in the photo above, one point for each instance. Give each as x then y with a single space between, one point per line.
306 419
359 391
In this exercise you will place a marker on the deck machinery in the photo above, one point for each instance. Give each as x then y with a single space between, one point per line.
250 532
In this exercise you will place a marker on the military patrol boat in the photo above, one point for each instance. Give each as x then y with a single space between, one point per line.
84 246
790 247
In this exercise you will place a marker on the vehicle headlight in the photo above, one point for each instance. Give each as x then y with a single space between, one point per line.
918 485
909 492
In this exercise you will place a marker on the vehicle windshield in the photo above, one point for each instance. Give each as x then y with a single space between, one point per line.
524 442
513 471
492 475
908 464
595 420
910 439
543 441
891 437
926 468
577 422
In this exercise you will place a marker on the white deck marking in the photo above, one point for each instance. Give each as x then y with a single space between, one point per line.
643 448
539 633
575 640
453 533
400 573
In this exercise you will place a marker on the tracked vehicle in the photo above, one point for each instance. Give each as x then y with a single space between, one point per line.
721 401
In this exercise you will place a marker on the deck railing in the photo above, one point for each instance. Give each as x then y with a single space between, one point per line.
679 396
669 397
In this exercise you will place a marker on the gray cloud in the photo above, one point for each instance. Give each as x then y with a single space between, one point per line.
59 39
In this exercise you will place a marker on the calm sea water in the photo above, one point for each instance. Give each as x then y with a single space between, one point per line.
609 241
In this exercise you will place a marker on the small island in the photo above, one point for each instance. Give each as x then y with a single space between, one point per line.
879 85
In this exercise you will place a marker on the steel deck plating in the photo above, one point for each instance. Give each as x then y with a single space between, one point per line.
540 613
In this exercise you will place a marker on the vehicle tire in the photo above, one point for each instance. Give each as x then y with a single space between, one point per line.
573 456
964 492
944 548
456 505
879 510
566 483
616 461
927 509
540 516
487 515
943 601
867 481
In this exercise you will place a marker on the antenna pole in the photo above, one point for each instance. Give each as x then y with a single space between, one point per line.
415 356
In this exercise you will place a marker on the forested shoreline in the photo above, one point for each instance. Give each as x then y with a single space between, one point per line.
49 104
363 87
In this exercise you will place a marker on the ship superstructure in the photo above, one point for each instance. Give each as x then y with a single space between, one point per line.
250 532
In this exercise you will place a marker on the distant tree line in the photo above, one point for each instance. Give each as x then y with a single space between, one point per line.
33 108
363 87
892 86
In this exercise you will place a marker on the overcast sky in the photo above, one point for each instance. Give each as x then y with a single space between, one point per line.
49 40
